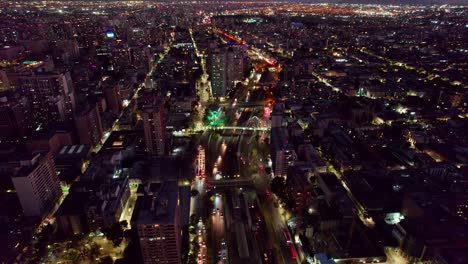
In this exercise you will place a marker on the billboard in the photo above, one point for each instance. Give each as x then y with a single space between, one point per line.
110 34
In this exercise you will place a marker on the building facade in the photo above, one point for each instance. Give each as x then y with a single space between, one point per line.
113 98
154 126
158 224
283 154
88 125
37 186
50 96
218 73
234 66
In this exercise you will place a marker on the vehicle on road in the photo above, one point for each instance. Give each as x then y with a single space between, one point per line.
293 251
286 235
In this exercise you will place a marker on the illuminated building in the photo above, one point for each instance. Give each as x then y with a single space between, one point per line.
157 220
37 185
154 126
105 206
201 162
282 152
88 125
234 66
50 96
218 73
104 57
226 68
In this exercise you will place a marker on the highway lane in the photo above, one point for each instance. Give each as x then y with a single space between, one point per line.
220 255
223 163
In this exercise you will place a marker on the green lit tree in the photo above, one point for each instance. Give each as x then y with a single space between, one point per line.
214 117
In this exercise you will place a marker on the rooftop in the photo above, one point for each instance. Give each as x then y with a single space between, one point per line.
73 151
158 207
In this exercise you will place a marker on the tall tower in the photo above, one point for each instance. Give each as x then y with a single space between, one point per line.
201 162
113 97
37 186
218 73
154 126
157 221
88 125
234 66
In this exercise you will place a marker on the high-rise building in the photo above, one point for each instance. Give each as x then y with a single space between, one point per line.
50 96
88 125
157 220
104 57
283 154
113 97
226 69
154 126
234 66
277 115
12 119
217 68
37 185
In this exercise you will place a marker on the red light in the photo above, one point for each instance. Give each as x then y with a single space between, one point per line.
267 112
293 251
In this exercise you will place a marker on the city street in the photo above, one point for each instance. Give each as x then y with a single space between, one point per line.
218 227
232 157
254 162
